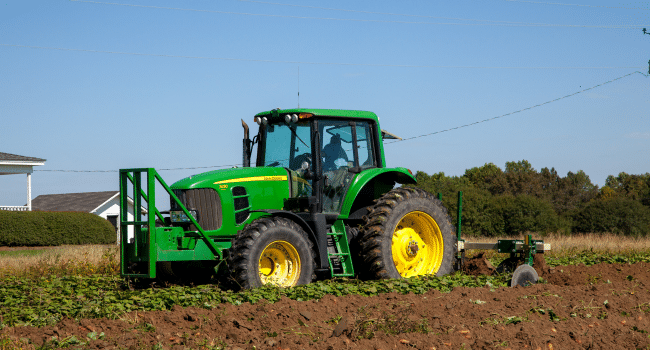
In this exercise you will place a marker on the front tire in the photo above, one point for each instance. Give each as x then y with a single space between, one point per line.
408 233
271 251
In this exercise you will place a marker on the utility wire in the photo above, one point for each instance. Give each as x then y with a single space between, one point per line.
115 171
382 13
521 110
579 5
433 17
388 143
365 20
297 62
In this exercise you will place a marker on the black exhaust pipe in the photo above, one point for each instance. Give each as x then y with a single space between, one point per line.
247 146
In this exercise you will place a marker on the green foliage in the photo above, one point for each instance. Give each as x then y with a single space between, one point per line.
520 178
523 179
488 177
589 258
521 199
446 186
22 252
635 187
523 213
34 228
45 301
620 215
479 213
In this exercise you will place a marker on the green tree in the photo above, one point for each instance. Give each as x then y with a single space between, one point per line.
525 213
446 186
521 199
478 214
619 215
572 192
522 178
488 177
635 187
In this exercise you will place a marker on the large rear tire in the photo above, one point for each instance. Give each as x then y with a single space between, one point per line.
271 251
407 233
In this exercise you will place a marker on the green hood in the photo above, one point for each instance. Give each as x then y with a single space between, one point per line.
232 176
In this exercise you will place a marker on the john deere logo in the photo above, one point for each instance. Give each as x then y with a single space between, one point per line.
254 178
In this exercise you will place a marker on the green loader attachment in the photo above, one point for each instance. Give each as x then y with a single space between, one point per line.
152 241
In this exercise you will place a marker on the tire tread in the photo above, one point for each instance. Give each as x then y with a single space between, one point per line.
375 233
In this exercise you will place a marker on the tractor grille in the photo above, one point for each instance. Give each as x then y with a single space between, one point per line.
204 200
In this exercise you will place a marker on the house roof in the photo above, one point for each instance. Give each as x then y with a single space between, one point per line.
8 157
85 202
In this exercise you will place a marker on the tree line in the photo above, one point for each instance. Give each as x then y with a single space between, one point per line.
521 199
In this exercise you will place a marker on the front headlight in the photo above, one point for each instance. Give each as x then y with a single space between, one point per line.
179 216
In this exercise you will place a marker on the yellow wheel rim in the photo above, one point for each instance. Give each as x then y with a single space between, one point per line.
279 264
417 245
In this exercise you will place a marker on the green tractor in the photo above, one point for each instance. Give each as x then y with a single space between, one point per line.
320 202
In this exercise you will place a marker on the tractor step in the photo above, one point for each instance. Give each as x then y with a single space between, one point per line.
338 253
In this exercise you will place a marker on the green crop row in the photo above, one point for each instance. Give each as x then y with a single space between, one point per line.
590 257
46 300
40 228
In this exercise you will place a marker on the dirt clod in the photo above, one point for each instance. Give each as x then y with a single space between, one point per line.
341 327
478 265
306 314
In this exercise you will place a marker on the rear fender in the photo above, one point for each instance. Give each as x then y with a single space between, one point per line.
372 184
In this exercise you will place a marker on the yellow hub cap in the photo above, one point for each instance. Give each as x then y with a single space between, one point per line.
417 245
279 264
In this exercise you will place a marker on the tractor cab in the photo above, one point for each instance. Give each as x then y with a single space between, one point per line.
323 153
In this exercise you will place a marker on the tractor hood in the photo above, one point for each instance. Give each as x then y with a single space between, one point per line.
218 179
238 192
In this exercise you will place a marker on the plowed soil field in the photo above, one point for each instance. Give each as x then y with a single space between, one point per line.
604 306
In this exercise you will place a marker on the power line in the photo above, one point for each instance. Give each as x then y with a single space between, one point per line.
382 13
521 110
365 20
579 5
162 169
298 62
434 17
388 143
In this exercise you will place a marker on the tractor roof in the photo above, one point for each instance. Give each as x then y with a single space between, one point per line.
341 113
278 115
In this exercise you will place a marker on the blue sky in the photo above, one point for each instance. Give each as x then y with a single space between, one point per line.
92 85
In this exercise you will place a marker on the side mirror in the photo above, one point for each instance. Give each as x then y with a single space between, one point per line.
305 171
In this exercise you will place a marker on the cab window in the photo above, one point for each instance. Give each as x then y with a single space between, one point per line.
287 145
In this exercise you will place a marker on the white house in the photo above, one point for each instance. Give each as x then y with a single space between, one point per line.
11 164
105 204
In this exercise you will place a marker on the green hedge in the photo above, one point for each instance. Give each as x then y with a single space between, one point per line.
40 228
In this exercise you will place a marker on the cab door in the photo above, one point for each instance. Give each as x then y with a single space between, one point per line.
346 149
